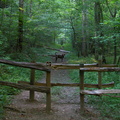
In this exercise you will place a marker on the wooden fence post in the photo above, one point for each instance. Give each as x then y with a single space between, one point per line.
99 75
32 81
81 73
48 95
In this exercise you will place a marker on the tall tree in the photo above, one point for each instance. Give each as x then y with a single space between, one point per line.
20 27
84 28
98 19
113 13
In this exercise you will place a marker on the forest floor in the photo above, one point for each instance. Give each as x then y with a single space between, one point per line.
65 103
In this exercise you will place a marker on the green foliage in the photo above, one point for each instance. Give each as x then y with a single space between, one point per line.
56 90
4 99
68 46
74 75
108 106
48 22
74 59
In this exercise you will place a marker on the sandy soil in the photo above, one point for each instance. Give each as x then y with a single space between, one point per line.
65 103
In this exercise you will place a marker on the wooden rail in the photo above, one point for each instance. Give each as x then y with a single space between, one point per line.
45 67
101 69
26 87
37 66
77 66
99 92
70 84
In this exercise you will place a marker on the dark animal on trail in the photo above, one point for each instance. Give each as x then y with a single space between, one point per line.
104 60
61 56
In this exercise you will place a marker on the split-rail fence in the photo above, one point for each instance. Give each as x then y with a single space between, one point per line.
46 87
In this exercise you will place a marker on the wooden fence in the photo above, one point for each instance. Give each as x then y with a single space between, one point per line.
33 66
98 69
46 87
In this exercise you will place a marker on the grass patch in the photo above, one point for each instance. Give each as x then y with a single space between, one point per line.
72 58
56 90
109 107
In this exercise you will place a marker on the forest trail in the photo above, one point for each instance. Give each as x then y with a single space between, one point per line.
65 103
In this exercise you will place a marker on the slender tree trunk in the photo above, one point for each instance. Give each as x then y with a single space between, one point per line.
20 27
31 3
98 32
75 43
74 34
115 51
84 29
113 15
2 19
11 45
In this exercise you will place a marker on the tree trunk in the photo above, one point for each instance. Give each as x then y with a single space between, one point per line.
98 32
113 15
74 33
115 51
20 27
31 3
84 29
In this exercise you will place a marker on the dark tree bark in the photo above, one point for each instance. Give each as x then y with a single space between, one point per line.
75 42
84 29
31 3
98 32
20 27
74 33
113 15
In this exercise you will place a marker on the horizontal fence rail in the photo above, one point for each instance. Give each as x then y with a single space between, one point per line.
70 84
37 66
101 69
46 67
26 87
99 92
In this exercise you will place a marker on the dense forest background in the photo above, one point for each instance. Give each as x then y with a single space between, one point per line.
89 27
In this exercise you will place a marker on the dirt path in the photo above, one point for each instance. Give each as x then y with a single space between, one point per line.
65 103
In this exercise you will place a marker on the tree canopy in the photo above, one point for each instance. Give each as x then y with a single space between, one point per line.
90 26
